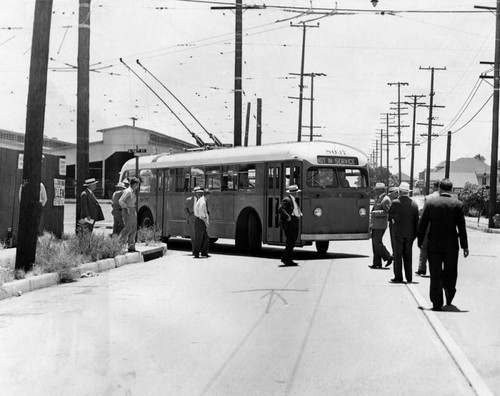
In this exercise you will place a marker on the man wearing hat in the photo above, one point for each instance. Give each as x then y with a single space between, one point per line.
379 221
116 209
444 216
189 211
404 214
290 214
90 210
393 194
201 213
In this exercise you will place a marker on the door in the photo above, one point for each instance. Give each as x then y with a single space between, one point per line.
161 200
273 199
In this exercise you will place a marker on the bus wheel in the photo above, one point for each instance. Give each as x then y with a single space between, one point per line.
254 233
145 219
322 247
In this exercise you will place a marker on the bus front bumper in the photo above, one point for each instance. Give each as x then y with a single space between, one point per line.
335 237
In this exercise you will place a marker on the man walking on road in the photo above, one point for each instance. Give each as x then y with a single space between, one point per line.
422 263
189 211
290 214
444 216
404 213
201 213
379 221
128 202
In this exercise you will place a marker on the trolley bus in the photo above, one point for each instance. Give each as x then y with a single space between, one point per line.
247 185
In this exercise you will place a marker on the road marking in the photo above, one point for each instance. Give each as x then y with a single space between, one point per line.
463 364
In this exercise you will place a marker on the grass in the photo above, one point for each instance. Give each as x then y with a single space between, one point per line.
149 235
62 256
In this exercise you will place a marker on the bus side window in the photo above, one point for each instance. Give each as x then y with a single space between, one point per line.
197 176
229 180
182 179
213 178
146 177
246 179
292 175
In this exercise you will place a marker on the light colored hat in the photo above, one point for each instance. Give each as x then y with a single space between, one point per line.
197 189
126 182
120 185
404 187
207 191
293 188
393 189
379 185
89 182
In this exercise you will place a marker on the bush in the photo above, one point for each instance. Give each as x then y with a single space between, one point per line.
95 247
149 235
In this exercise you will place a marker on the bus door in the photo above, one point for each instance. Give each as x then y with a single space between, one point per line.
273 199
161 199
293 175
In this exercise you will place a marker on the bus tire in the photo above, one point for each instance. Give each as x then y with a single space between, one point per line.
254 233
241 239
322 247
145 219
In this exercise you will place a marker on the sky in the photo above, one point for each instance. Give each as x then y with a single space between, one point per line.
189 47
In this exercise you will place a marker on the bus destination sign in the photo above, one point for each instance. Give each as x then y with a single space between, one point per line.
334 160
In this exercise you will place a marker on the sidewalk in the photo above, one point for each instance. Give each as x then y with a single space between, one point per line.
481 225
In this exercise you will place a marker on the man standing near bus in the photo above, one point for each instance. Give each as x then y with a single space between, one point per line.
90 211
128 202
290 214
189 211
379 221
201 224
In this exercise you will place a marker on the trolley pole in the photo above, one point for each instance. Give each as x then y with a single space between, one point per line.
33 144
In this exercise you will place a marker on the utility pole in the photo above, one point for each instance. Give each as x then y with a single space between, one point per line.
387 125
381 146
494 132
82 111
301 84
134 119
429 132
399 124
415 104
247 124
448 156
259 122
33 143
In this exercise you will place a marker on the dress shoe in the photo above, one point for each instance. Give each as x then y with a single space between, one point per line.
437 308
396 280
375 266
131 250
420 273
289 263
206 255
389 261
196 255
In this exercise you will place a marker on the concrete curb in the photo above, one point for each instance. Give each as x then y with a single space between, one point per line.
19 287
483 228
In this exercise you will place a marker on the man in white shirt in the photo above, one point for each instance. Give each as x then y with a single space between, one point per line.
128 202
189 211
201 213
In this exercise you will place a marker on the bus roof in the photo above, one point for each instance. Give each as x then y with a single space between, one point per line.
309 151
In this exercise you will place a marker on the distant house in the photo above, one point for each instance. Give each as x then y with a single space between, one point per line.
463 170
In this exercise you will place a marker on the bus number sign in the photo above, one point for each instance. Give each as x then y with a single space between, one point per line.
333 160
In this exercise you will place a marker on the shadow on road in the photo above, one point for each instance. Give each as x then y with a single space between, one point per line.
270 252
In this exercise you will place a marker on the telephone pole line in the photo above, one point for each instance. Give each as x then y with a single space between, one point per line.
399 124
415 104
33 143
429 132
387 125
301 84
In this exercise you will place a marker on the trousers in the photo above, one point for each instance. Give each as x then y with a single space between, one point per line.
402 258
128 233
379 250
201 240
443 266
291 233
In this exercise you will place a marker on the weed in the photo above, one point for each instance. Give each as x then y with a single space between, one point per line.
149 235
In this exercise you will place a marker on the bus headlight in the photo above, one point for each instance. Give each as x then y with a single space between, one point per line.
318 212
362 212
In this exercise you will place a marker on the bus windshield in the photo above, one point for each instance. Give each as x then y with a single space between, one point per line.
336 178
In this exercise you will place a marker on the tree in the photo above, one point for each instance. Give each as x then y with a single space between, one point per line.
480 157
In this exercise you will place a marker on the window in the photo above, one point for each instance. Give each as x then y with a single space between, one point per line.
292 175
213 177
246 179
229 177
182 179
147 179
353 178
322 178
197 176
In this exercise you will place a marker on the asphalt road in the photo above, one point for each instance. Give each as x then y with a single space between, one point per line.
242 325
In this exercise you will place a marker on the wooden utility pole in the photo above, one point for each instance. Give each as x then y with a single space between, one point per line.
238 72
415 104
448 156
429 131
259 122
247 124
82 105
399 125
33 143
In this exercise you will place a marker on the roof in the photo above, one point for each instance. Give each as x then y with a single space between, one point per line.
465 165
239 155
148 131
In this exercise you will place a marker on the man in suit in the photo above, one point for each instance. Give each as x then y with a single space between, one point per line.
289 212
90 210
444 216
379 221
404 215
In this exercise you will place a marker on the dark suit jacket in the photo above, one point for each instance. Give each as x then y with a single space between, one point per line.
404 212
445 217
89 206
285 211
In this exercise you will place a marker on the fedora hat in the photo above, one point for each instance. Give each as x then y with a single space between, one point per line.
393 189
207 191
379 185
293 188
89 182
120 185
126 182
404 187
197 189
